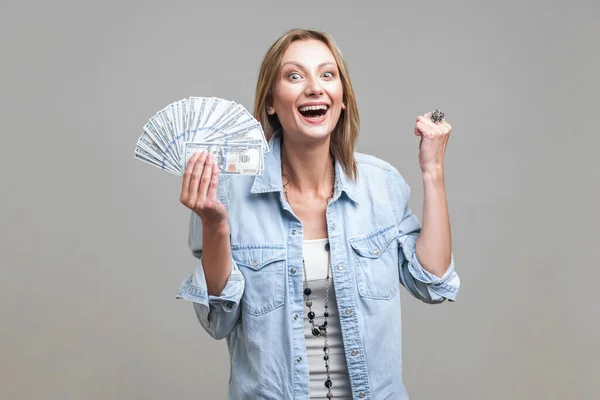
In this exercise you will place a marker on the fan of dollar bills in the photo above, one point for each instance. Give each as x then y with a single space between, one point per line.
222 127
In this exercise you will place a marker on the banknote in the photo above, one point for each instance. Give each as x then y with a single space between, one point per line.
145 156
203 122
244 159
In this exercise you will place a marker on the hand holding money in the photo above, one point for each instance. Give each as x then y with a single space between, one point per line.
199 189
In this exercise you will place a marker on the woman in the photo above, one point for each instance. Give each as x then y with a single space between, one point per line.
300 266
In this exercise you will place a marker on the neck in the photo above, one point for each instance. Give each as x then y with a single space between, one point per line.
308 167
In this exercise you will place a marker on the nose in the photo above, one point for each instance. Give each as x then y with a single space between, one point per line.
313 87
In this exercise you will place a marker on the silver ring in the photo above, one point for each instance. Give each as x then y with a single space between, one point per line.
437 115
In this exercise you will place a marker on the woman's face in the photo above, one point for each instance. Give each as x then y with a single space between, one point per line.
308 92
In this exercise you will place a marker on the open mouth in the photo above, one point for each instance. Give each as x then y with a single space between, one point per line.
314 113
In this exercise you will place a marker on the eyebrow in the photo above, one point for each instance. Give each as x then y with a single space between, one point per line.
303 67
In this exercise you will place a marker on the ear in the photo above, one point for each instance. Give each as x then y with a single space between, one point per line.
270 110
343 106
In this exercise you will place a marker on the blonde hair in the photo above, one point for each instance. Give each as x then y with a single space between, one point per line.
345 133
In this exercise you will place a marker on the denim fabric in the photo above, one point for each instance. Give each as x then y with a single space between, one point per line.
372 235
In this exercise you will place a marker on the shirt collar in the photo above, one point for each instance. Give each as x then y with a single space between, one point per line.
270 178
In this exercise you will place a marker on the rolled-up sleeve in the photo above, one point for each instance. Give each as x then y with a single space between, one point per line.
218 315
419 282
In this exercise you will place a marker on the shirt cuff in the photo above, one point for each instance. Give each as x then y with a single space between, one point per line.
439 287
194 289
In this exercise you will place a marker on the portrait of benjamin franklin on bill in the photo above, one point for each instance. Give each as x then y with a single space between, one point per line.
217 153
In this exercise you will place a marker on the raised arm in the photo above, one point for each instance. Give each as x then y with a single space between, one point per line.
433 246
199 194
426 263
217 285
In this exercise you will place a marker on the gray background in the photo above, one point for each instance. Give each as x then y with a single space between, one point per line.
93 242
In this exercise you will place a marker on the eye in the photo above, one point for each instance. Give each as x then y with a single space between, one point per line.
328 74
294 76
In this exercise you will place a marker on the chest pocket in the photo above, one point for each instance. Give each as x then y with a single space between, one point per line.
263 268
376 258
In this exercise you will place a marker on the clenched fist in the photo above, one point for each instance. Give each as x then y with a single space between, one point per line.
434 139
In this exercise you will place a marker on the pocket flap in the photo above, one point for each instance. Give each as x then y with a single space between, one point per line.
256 256
375 243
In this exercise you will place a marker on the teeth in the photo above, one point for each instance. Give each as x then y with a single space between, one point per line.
313 108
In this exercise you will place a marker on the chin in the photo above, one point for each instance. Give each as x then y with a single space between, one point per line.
314 132
321 133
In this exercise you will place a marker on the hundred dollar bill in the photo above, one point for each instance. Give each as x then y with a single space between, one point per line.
143 155
206 108
243 159
250 131
185 112
236 118
192 113
223 112
158 131
166 124
146 143
174 115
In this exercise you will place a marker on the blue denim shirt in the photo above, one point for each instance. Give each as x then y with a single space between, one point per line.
372 235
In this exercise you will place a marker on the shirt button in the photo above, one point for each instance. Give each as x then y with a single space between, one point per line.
376 251
254 263
299 359
333 226
293 270
340 267
348 311
361 394
354 352
293 231
295 317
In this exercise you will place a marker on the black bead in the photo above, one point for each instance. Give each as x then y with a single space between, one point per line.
326 314
316 331
326 306
325 357
311 321
326 349
311 315
307 291
324 323
328 384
